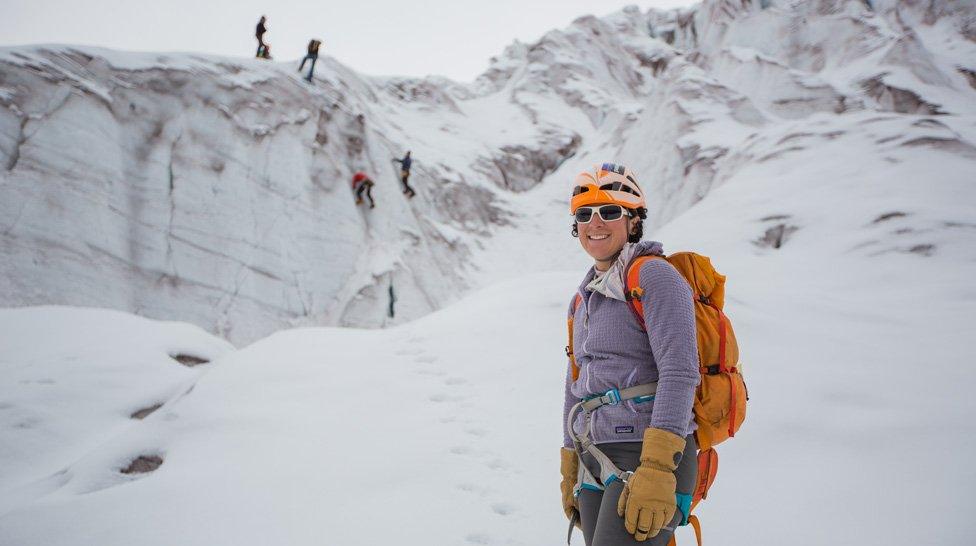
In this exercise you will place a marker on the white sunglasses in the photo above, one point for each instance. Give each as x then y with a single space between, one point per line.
607 213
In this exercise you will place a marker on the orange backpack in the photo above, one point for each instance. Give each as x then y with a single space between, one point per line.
720 400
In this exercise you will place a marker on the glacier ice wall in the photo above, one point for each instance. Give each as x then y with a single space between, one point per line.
216 190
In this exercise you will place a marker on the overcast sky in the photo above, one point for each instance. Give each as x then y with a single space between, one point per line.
454 38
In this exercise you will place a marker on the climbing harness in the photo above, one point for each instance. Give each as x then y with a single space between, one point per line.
609 472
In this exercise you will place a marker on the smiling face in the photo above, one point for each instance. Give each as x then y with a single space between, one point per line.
603 240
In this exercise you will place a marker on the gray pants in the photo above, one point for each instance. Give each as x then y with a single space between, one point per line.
598 510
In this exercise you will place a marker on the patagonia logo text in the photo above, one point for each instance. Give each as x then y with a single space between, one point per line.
624 430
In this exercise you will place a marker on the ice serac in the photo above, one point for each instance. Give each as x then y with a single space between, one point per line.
216 190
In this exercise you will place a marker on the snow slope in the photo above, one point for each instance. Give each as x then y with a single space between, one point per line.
75 378
445 430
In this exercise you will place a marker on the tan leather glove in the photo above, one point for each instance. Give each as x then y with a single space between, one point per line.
647 502
568 467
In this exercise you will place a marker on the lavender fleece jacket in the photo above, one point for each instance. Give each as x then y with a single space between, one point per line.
613 352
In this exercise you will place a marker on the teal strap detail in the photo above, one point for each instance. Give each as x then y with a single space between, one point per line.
615 396
640 399
684 504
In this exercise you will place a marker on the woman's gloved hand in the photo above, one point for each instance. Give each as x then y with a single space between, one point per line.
568 467
647 502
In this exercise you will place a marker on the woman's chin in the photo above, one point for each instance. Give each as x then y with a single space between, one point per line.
603 255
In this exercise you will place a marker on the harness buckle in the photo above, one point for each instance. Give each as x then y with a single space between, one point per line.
611 397
622 478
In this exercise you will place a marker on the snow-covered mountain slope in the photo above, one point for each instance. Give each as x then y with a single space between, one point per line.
215 190
445 430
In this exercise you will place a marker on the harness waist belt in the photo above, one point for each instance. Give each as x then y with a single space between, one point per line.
614 396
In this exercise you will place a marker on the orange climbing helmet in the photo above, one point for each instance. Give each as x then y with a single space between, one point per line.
608 183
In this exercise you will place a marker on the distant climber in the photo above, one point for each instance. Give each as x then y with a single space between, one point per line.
361 183
405 174
263 50
312 55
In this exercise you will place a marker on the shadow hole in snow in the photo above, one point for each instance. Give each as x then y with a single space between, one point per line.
145 412
969 75
655 63
776 236
929 123
502 509
779 153
793 136
951 145
143 464
865 244
189 360
922 250
888 216
895 99
774 217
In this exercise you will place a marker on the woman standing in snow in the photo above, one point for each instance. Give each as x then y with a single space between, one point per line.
629 390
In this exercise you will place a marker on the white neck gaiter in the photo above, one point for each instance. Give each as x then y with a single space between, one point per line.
611 284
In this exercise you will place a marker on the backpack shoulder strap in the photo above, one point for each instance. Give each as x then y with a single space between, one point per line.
577 300
633 291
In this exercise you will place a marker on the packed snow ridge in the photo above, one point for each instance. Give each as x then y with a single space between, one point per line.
216 190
